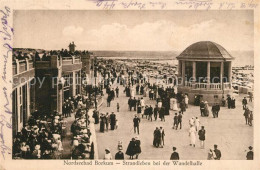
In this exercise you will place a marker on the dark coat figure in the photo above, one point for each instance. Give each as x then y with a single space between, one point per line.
119 155
217 153
250 154
102 123
175 121
130 103
179 120
214 110
139 109
142 90
246 114
175 156
157 137
131 148
96 116
137 149
229 101
233 103
244 103
134 101
155 112
217 109
202 108
150 113
136 121
112 120
182 106
161 114
201 134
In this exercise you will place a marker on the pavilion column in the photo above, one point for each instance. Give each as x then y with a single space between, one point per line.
183 73
193 74
230 74
221 75
208 75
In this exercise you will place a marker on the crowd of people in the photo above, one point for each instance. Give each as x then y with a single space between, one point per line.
41 137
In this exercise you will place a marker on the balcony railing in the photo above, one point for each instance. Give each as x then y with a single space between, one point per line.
20 66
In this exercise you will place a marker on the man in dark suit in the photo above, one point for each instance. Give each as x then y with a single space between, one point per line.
134 101
155 111
136 121
175 155
229 101
244 103
217 109
179 120
217 152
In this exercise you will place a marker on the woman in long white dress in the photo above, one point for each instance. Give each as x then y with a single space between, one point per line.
192 134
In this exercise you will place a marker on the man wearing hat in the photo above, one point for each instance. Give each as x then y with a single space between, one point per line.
217 152
175 155
250 154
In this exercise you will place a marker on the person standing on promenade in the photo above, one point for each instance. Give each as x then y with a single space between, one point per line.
250 154
250 118
244 103
174 155
201 134
192 135
136 121
217 153
162 134
179 120
175 121
197 123
117 107
117 91
246 114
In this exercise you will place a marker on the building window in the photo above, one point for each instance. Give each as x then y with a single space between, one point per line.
215 96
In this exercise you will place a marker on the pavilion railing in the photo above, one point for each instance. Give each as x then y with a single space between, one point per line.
215 86
211 86
200 85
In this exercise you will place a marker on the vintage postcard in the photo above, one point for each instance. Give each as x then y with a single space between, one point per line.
129 84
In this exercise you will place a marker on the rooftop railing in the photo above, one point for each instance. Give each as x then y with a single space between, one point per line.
20 66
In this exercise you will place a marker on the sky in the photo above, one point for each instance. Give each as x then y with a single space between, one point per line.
133 30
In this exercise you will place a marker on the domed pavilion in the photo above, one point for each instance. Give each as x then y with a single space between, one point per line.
205 72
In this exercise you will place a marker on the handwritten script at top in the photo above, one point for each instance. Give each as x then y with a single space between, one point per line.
132 4
6 33
188 4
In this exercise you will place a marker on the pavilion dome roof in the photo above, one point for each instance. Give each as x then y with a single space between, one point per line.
205 50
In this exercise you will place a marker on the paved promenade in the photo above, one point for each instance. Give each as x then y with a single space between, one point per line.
229 132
